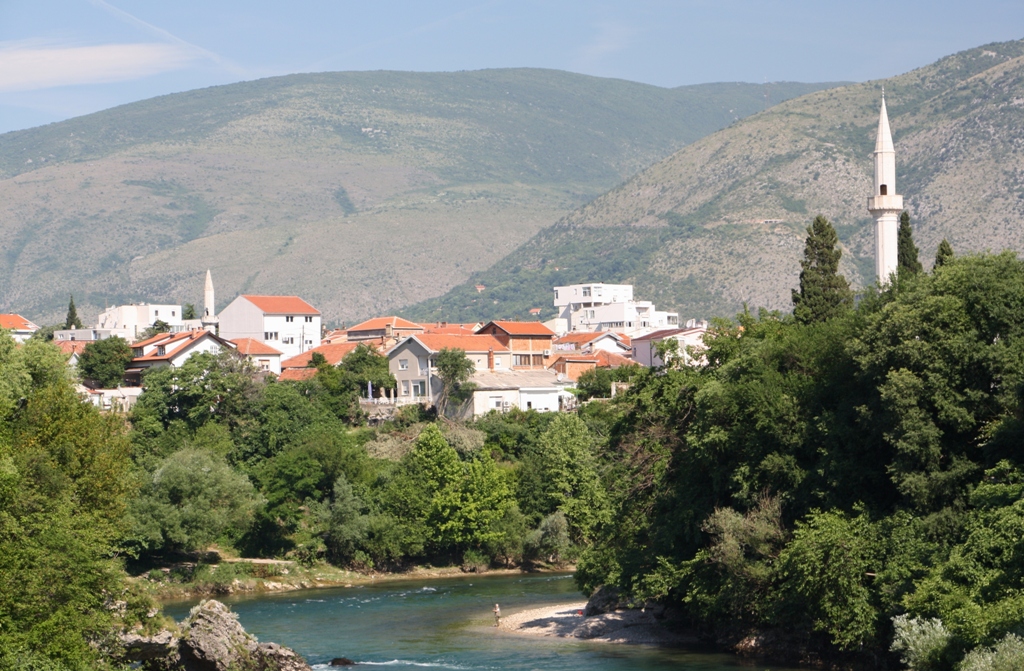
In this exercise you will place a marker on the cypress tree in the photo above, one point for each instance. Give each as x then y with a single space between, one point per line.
72 319
824 293
906 250
944 255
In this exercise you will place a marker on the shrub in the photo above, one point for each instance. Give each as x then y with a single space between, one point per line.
1007 655
923 644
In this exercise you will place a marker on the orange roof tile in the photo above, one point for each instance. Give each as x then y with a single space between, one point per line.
281 305
380 323
297 374
520 328
612 360
180 342
436 342
250 346
15 322
450 329
70 347
154 339
333 352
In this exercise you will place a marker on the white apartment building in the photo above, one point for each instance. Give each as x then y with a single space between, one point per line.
128 321
608 307
286 323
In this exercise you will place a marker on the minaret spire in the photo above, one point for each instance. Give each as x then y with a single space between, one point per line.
209 305
885 205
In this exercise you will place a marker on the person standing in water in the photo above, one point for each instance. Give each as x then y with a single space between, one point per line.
497 615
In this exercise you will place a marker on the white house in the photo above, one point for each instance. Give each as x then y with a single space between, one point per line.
89 335
607 307
286 323
264 356
645 348
593 341
541 390
21 329
171 349
128 321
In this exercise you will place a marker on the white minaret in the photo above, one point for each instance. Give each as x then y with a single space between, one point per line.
209 306
885 206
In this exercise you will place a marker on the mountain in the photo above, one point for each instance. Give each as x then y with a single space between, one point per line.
361 191
723 221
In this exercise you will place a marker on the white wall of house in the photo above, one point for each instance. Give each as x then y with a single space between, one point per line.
502 400
204 345
540 399
645 350
134 319
291 334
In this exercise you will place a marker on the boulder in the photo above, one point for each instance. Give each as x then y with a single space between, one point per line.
213 640
605 599
342 661
157 651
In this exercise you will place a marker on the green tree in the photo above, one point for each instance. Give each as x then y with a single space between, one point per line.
72 320
189 311
908 263
944 254
824 293
193 499
104 361
454 369
158 327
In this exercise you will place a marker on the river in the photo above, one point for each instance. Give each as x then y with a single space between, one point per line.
443 624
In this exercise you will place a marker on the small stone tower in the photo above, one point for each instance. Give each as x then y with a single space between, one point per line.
209 305
885 206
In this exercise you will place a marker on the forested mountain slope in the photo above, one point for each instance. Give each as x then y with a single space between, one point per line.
723 220
361 191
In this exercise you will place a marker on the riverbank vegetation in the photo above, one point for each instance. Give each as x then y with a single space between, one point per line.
848 480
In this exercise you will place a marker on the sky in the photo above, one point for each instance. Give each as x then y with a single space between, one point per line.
65 58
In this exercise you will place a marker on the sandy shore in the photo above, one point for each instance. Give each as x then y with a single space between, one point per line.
566 621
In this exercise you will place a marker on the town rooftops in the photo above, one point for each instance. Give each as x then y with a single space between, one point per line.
332 352
281 305
14 322
435 342
173 343
251 347
70 347
518 328
450 328
297 374
381 323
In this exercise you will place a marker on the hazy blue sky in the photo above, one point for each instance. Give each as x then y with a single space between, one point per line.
62 58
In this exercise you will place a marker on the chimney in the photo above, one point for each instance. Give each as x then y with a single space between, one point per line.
490 359
388 330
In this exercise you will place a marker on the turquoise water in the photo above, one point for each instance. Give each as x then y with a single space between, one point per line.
443 624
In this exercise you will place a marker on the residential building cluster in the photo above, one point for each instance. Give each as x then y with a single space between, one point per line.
525 365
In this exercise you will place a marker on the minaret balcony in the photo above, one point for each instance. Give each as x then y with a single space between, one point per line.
880 203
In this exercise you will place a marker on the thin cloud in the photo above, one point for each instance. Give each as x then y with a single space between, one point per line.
162 34
612 37
29 68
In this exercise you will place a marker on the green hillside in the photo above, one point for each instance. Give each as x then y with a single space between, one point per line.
723 220
362 192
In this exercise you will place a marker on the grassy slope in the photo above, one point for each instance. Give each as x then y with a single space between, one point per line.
689 231
362 192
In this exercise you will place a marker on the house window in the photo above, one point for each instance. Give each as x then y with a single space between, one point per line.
497 362
309 342
172 313
161 350
419 388
289 319
496 402
556 294
405 387
156 313
520 359
403 364
586 291
264 364
288 340
309 320
270 335
529 405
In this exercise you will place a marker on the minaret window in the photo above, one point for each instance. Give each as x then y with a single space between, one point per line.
884 189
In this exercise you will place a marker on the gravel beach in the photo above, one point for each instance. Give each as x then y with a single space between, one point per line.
566 621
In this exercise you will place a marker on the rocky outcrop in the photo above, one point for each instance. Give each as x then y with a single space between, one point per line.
211 639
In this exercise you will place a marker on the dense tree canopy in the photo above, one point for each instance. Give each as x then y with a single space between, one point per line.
823 293
104 361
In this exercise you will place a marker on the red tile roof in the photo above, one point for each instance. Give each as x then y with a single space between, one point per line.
333 352
665 333
70 347
297 374
179 341
250 346
612 360
380 323
155 339
450 329
436 342
14 322
520 328
281 305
